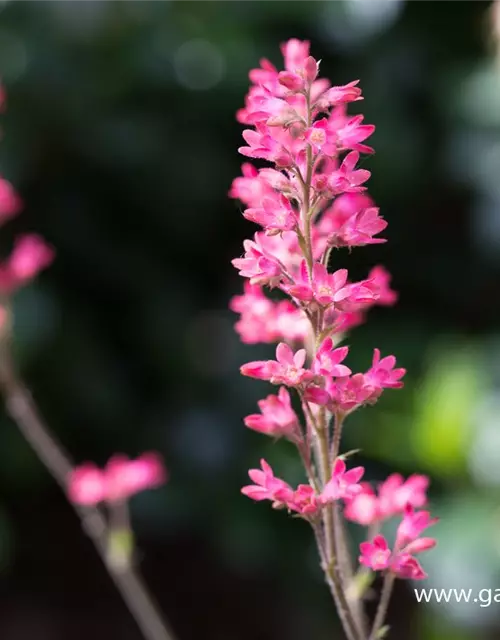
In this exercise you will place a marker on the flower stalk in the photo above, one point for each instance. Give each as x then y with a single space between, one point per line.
313 202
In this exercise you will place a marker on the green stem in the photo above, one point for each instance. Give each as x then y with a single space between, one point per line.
383 604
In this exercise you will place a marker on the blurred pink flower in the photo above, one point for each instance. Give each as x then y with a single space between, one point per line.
119 480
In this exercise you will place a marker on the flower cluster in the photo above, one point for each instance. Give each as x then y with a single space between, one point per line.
119 480
304 500
400 561
309 203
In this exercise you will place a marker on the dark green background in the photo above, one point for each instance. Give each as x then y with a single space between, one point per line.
120 136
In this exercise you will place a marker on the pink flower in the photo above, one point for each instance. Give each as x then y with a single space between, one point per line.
267 486
394 494
295 52
288 368
275 214
250 188
353 133
381 278
327 360
347 394
321 138
29 256
125 477
305 501
262 145
257 264
119 480
376 555
340 95
348 178
10 203
412 525
383 375
325 288
363 508
87 485
359 230
407 567
277 418
342 484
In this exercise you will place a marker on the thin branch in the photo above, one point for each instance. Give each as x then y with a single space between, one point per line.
383 605
22 410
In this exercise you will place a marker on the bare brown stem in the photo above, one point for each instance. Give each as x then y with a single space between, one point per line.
22 410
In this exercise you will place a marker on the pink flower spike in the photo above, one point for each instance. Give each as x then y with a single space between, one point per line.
86 485
376 554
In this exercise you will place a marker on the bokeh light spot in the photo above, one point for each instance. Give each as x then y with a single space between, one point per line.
199 65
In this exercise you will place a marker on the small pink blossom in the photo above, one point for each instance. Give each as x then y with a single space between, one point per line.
257 264
325 288
125 477
288 368
383 375
327 360
376 555
277 418
295 52
274 214
359 230
343 484
363 508
250 188
305 501
267 486
353 133
392 497
87 485
412 525
10 203
30 255
348 178
321 138
119 480
381 278
340 95
396 493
